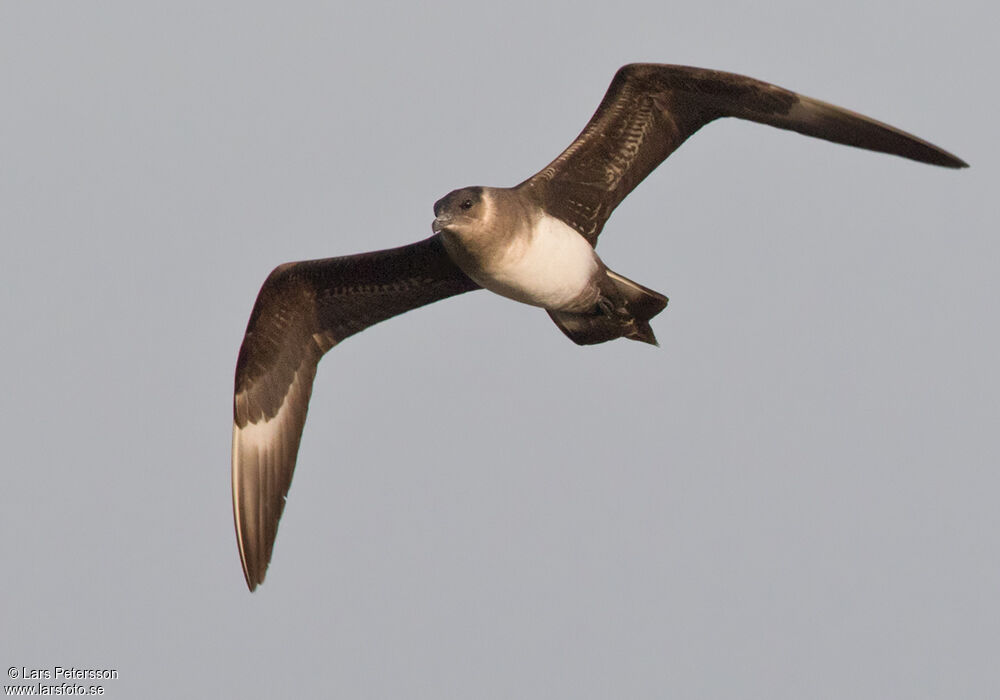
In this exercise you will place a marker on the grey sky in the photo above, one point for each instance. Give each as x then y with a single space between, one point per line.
796 496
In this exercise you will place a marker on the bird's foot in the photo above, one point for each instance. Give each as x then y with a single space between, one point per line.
608 308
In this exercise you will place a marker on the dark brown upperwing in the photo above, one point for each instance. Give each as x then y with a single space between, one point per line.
304 309
649 111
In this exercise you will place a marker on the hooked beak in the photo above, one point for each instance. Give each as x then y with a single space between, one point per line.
440 223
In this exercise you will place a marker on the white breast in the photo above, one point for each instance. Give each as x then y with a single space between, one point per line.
551 266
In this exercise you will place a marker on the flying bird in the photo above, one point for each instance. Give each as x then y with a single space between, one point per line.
533 243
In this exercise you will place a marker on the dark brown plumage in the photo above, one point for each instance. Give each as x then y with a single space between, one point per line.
305 308
650 110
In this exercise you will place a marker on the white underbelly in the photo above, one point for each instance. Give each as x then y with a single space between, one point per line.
555 268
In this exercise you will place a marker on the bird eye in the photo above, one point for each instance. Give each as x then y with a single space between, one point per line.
467 204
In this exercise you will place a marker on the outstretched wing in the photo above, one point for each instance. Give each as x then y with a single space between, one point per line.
650 110
303 310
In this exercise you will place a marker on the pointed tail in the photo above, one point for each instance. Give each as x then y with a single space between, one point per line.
635 303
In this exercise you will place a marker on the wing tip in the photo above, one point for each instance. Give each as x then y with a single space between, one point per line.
252 583
840 125
252 574
955 162
934 155
255 578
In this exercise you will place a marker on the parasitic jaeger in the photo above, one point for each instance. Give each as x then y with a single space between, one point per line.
533 243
